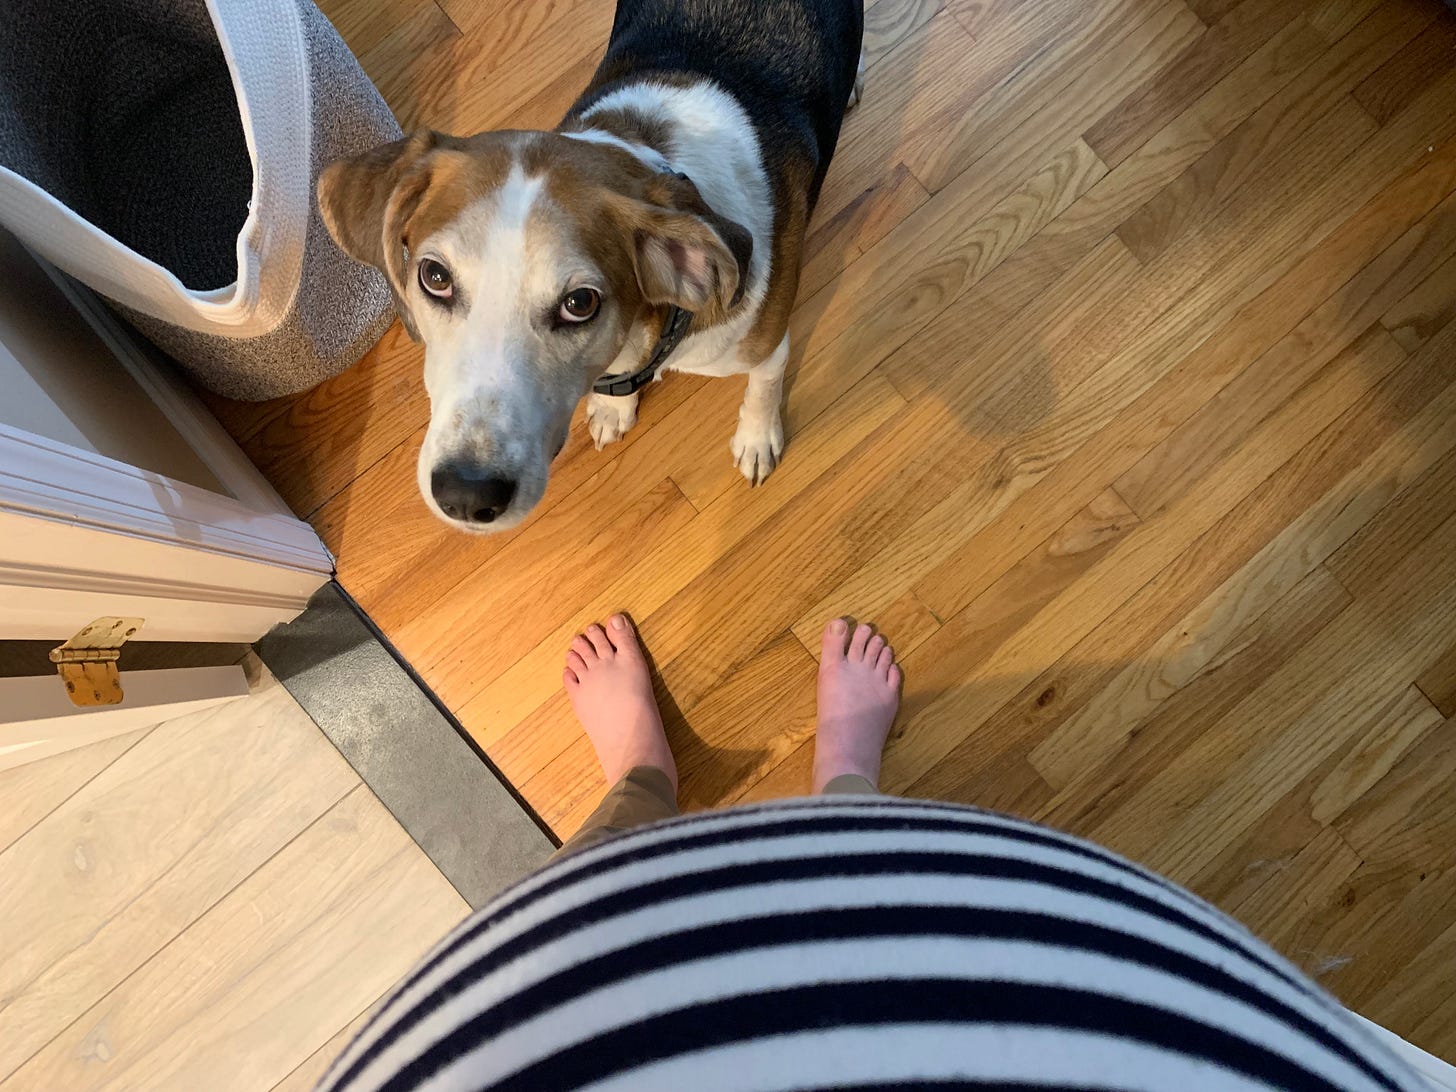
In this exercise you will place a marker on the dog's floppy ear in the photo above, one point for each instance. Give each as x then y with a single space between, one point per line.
367 201
687 255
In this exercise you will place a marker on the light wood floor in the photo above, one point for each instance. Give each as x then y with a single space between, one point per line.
1123 398
213 903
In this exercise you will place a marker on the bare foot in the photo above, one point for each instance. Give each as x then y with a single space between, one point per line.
607 680
859 692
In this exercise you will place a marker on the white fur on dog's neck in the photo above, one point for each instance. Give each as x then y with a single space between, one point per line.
715 145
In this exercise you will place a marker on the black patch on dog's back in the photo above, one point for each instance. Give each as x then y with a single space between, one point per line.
790 63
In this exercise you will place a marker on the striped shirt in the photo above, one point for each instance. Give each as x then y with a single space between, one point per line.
856 943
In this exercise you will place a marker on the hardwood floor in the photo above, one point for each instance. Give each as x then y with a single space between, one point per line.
1123 397
182 911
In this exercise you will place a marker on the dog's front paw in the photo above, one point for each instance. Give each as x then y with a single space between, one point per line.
608 419
757 445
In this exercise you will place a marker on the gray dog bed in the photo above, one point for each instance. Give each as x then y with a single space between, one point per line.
164 153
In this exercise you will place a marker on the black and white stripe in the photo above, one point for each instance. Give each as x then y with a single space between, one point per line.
856 943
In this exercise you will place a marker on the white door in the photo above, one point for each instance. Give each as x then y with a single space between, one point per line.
87 533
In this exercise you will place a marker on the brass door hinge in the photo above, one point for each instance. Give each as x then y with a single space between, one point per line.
87 662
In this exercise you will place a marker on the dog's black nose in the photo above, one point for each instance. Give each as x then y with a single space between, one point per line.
470 494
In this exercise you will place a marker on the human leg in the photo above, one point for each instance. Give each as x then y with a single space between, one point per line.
610 688
859 693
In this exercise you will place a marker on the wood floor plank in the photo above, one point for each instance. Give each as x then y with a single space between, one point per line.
1375 923
1365 560
1301 815
313 445
88 898
1206 61
306 1076
1007 464
750 724
1187 648
1116 706
1066 91
912 275
1080 228
946 699
1247 329
1411 816
934 686
1276 910
1226 168
790 778
33 791
1391 87
1290 723
1364 766
1261 648
1437 681
931 259
363 24
887 23
1413 320
427 37
1160 475
1336 18
836 241
478 81
325 940
1418 998
937 73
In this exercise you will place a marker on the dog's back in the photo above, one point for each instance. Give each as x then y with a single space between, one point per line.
790 63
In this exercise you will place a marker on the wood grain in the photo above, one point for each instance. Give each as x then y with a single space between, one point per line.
124 866
213 1002
1121 396
212 902
33 791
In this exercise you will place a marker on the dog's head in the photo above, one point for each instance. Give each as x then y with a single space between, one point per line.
527 263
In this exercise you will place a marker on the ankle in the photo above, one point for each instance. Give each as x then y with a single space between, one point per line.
831 763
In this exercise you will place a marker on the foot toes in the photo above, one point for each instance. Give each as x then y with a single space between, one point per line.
576 664
896 676
833 643
623 635
584 649
885 661
598 637
872 650
570 679
858 642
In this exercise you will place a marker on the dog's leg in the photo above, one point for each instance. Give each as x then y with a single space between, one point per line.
759 441
857 92
609 417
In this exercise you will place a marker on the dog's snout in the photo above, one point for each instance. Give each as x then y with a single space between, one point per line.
471 494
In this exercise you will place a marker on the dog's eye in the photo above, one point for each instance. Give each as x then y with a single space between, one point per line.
435 279
580 305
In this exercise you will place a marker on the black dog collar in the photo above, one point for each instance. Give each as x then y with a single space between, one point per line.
673 331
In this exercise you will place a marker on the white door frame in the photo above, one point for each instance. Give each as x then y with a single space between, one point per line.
83 536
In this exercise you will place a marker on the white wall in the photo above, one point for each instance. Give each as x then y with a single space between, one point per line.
60 381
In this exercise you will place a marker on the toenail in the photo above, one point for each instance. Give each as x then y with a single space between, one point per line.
618 622
838 626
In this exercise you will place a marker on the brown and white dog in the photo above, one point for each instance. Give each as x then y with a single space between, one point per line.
658 227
